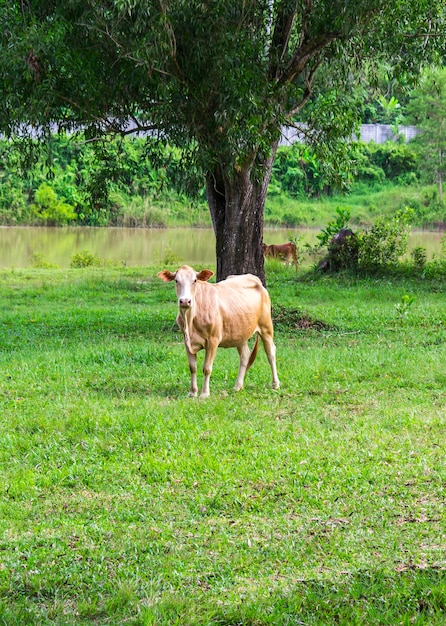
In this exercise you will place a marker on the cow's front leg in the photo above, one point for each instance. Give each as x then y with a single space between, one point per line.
211 350
244 353
192 358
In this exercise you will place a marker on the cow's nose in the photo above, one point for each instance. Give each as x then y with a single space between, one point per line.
185 302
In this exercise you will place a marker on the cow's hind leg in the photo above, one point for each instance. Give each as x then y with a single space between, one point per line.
270 350
244 353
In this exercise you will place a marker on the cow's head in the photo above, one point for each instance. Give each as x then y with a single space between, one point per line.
185 283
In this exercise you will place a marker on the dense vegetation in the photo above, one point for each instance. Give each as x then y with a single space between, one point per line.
135 183
127 184
123 501
218 78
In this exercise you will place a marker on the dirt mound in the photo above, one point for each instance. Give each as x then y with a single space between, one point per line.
293 319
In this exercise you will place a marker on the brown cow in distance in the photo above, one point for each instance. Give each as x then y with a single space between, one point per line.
286 252
222 314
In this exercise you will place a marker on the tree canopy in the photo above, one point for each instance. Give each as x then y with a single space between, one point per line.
218 78
427 109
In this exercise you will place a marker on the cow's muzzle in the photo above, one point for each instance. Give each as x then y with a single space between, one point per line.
185 303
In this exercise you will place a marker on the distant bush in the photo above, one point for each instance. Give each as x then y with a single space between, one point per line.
298 172
371 174
435 269
394 159
85 259
385 242
48 209
13 206
419 257
38 261
369 251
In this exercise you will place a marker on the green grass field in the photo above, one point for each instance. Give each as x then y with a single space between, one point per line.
122 501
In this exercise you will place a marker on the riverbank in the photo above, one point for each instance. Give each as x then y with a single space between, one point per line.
22 247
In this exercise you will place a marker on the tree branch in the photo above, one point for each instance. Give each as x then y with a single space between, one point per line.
163 4
307 93
303 55
281 35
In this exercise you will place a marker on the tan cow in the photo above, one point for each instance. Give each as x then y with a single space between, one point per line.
223 314
285 251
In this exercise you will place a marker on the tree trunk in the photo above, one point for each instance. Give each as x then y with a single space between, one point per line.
237 204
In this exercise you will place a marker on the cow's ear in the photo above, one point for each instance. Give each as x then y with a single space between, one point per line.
205 275
166 276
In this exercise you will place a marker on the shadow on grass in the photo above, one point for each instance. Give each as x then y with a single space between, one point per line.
140 387
83 329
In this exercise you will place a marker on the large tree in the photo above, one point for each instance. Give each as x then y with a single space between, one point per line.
218 77
427 109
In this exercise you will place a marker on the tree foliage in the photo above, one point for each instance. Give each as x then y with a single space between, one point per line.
225 74
220 77
427 109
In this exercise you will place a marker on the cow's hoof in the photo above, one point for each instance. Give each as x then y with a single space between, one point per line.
204 395
275 385
193 394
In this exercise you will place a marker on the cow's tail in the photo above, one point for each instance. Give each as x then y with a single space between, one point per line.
252 356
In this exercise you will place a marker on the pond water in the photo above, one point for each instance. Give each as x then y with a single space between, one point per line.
140 247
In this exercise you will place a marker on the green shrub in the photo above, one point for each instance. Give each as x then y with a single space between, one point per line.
407 179
419 257
371 174
385 242
48 209
292 220
332 228
435 269
368 251
85 259
13 208
297 171
38 261
394 159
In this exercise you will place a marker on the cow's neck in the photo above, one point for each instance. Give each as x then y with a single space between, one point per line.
187 317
